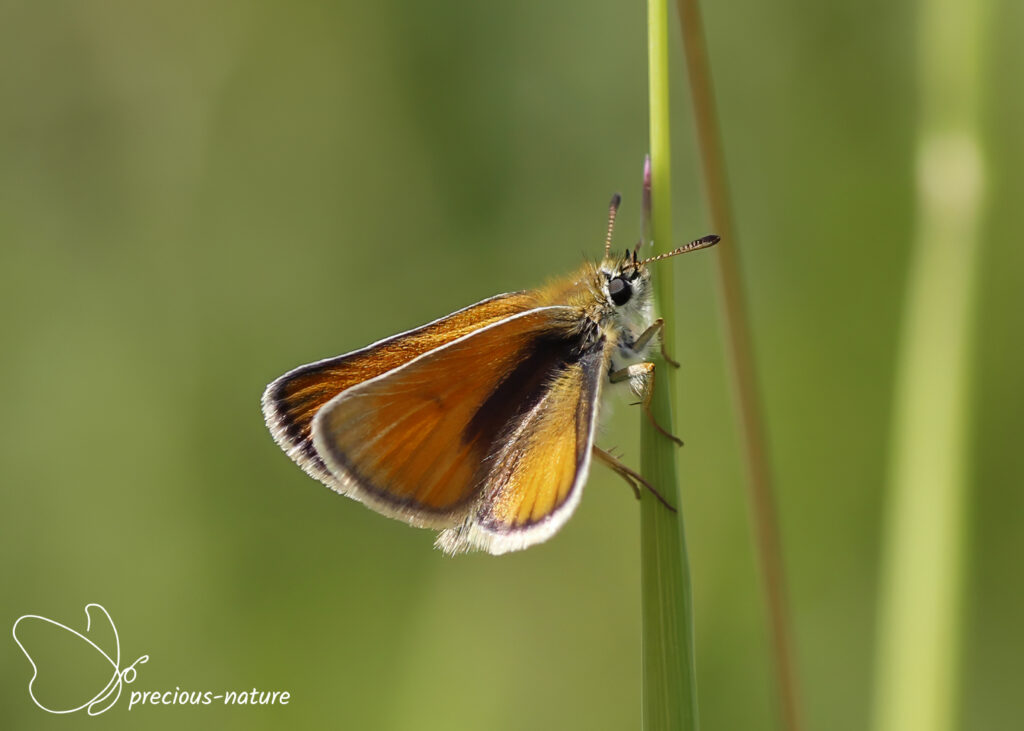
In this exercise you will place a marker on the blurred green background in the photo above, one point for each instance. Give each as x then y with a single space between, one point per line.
196 197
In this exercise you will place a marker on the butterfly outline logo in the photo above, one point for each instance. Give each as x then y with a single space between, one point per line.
111 692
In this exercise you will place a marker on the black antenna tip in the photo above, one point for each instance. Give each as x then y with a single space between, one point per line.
711 239
616 200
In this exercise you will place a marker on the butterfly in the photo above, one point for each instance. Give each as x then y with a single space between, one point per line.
481 424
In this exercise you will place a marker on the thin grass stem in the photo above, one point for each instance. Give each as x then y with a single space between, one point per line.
740 355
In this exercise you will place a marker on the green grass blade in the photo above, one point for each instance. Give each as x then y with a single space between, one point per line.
740 356
669 671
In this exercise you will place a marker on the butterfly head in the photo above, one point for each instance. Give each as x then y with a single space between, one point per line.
626 283
628 279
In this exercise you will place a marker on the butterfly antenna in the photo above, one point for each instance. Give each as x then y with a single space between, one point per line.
702 243
613 209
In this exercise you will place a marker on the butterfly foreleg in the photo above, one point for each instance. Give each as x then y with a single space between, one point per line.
656 328
641 381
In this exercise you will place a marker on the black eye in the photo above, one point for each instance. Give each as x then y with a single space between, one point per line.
620 290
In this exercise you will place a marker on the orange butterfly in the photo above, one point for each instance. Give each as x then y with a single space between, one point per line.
481 423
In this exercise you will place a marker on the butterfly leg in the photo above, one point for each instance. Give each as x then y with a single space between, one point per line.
657 328
641 380
630 476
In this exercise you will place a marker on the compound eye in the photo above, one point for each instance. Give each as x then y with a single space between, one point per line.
620 291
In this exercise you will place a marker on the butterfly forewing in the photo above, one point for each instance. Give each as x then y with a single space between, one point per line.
291 402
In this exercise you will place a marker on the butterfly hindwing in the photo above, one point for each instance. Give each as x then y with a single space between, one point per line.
535 477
